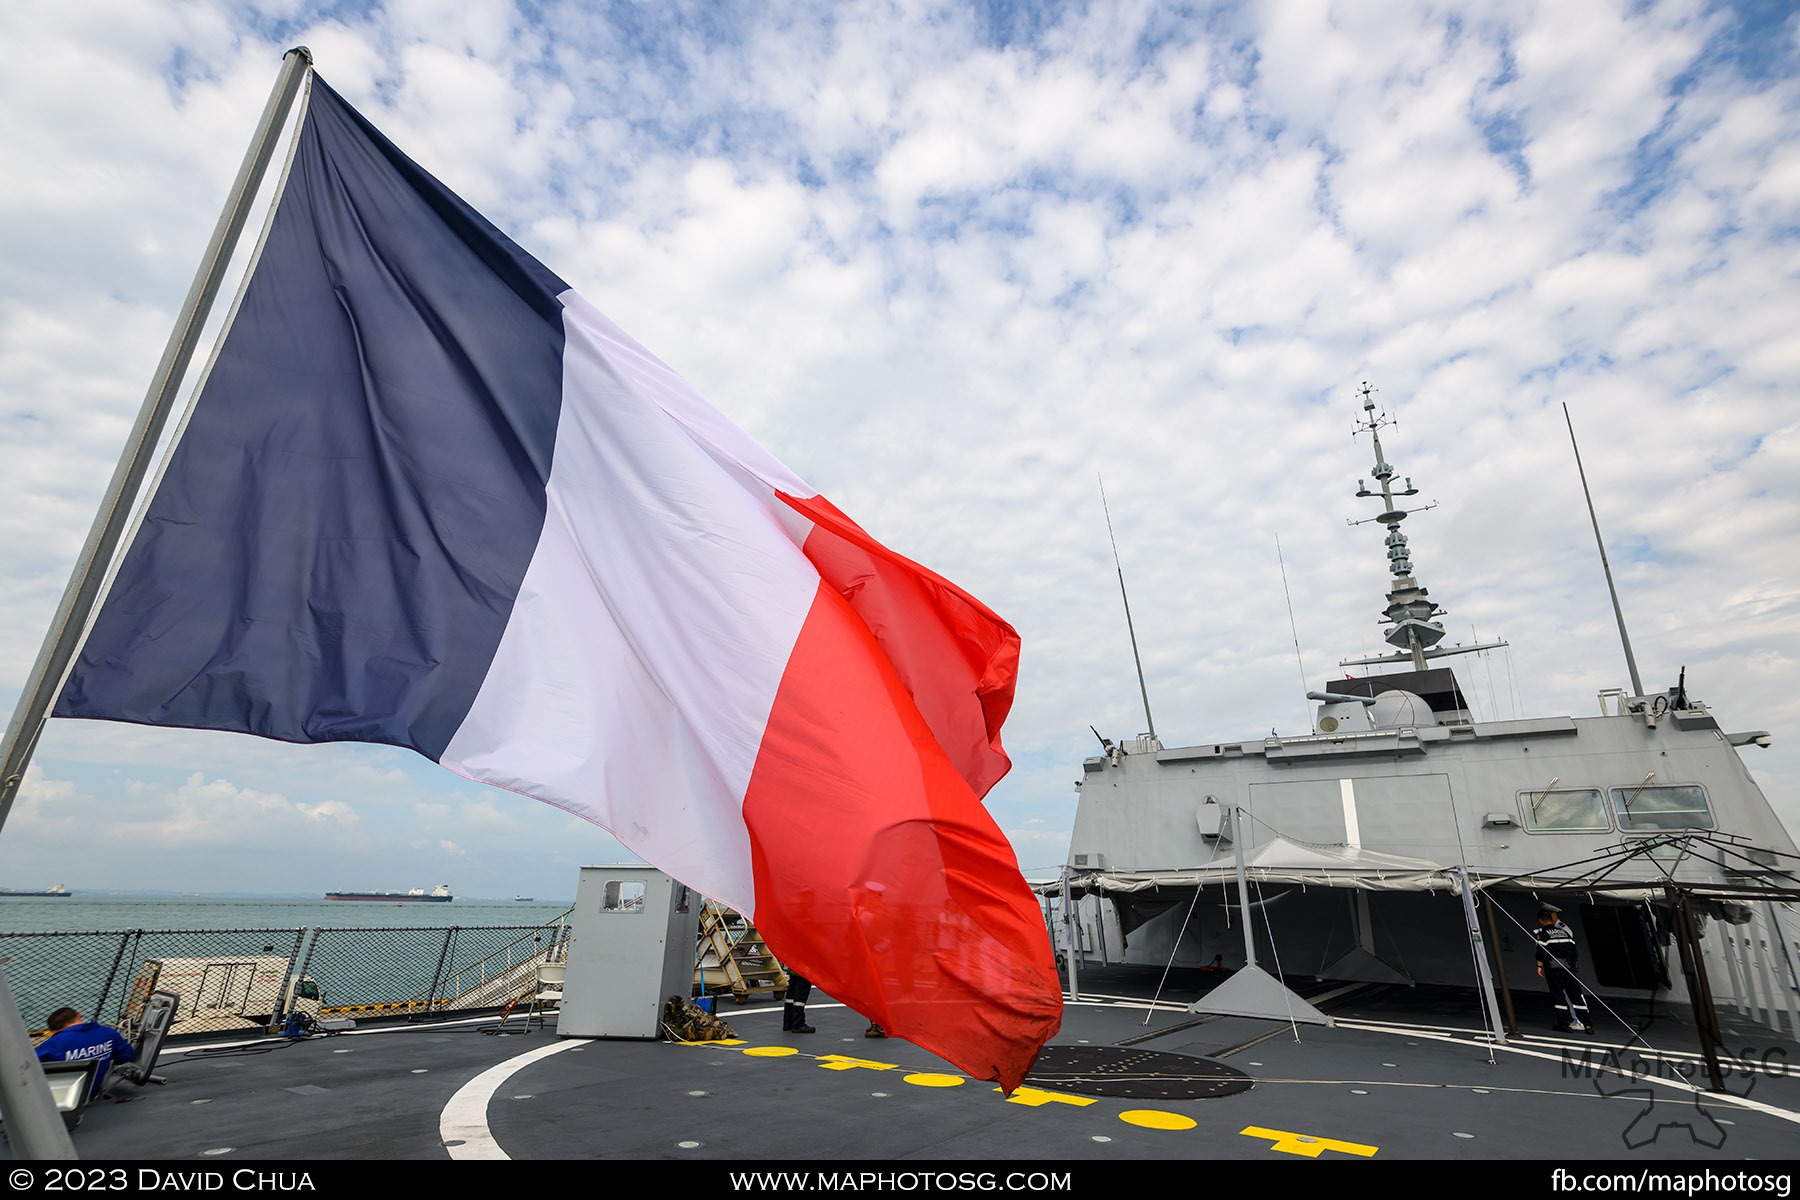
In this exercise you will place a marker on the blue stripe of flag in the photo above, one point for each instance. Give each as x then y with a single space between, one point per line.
335 548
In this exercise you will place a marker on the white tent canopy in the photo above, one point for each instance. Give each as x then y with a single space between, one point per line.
1279 860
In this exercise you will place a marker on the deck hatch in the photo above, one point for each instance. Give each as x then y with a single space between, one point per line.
1132 1074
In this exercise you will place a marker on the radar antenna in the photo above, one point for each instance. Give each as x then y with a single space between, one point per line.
1410 610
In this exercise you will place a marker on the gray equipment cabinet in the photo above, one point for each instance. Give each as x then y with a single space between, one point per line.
631 947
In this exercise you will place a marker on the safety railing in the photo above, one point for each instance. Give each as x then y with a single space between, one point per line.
254 979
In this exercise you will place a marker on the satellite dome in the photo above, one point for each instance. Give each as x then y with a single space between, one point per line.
1398 709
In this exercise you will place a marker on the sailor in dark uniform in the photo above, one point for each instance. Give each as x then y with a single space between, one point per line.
793 1011
1557 963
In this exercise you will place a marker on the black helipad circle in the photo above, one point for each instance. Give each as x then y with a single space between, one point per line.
1133 1074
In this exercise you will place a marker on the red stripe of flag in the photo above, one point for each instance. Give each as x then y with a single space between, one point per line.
879 875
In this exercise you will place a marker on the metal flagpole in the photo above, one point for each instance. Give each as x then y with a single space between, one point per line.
34 1127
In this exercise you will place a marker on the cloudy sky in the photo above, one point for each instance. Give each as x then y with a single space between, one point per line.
955 264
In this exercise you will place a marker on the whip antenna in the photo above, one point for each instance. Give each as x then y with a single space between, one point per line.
1292 624
1637 687
1142 689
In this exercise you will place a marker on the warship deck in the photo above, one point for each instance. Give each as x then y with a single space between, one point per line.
1404 1076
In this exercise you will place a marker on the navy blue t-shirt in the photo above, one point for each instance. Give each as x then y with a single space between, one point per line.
77 1043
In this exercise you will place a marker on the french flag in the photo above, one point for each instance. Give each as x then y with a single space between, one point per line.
428 496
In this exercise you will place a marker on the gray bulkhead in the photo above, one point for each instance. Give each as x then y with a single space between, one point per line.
1465 792
1353 832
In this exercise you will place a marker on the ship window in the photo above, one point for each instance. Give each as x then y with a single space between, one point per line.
1564 810
1666 806
622 896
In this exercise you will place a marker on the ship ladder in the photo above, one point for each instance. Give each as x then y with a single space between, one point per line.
732 954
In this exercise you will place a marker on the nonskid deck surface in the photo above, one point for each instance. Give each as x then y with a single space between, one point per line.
1405 1074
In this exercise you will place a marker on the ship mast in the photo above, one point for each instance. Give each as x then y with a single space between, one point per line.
1410 610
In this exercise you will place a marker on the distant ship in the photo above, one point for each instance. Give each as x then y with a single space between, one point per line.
522 899
437 895
55 891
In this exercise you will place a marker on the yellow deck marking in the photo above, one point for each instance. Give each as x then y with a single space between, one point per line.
1305 1144
1151 1118
1037 1099
714 1042
843 1062
927 1079
770 1051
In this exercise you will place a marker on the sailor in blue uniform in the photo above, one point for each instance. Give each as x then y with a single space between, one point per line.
75 1040
1557 963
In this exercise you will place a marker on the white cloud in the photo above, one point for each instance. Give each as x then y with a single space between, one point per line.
951 281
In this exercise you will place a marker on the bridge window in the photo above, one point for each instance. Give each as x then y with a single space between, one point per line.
1665 806
1565 810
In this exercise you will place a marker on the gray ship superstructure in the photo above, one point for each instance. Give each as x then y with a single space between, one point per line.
1641 822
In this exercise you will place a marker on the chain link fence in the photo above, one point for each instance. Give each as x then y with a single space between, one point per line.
425 973
253 979
227 978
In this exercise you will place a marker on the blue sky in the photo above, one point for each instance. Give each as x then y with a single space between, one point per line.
955 262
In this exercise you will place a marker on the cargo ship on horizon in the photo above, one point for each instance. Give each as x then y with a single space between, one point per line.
437 895
55 891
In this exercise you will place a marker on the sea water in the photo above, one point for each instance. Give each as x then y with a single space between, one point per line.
110 911
45 973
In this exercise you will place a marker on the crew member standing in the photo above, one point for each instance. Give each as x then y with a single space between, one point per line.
1557 962
793 1011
